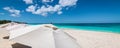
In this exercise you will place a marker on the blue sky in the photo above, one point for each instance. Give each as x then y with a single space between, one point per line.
61 11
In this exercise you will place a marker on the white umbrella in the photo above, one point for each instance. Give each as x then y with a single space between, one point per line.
34 36
40 36
63 40
14 27
5 25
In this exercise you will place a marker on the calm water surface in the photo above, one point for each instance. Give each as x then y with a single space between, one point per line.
105 27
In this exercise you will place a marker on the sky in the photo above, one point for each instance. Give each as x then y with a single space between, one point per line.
61 11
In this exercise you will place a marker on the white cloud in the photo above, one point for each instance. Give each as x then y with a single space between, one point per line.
47 0
59 12
44 10
13 11
67 2
31 8
28 1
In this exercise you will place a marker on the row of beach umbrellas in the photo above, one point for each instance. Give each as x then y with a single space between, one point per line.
40 36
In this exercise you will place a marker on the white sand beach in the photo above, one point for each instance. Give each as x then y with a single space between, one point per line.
95 39
84 38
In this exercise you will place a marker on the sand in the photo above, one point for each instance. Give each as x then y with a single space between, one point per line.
4 43
95 39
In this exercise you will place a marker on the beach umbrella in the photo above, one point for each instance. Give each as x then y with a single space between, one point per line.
63 40
34 36
21 31
6 25
12 26
16 26
40 36
3 25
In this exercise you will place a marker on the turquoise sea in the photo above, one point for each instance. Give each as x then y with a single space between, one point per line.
105 27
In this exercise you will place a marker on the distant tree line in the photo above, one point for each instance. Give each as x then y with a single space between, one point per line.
8 21
4 21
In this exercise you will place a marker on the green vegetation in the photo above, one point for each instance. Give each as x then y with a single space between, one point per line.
8 21
4 21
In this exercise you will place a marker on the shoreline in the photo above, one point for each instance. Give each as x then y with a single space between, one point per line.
92 30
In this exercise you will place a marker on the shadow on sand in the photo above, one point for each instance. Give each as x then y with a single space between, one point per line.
6 37
18 45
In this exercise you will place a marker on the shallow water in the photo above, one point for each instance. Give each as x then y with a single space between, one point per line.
105 27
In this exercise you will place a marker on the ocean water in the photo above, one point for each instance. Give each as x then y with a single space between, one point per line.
104 27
